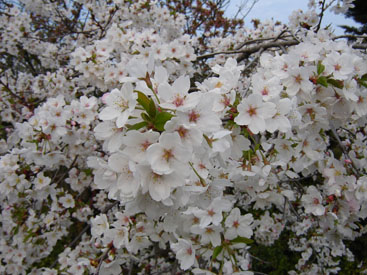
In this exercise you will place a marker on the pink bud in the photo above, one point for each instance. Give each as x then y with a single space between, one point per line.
348 161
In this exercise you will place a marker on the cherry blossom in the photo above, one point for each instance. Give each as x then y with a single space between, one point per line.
134 139
253 112
120 104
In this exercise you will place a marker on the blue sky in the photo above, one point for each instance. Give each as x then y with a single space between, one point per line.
281 9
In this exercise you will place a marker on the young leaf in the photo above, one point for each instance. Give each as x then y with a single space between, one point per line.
152 109
322 81
161 119
320 68
145 117
242 240
143 100
137 126
362 83
336 83
216 252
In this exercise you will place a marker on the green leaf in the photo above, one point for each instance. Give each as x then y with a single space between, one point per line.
257 147
152 109
161 119
216 252
88 171
322 80
137 126
15 230
362 83
336 83
143 101
364 78
320 68
93 58
145 117
242 240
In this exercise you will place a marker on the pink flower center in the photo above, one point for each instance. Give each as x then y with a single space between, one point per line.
145 145
225 101
236 224
251 111
167 154
178 101
182 131
265 91
298 79
193 116
211 212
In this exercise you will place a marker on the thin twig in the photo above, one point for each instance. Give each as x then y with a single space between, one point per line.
68 170
249 42
349 36
360 46
248 66
284 210
321 16
342 147
131 266
258 259
101 259
246 53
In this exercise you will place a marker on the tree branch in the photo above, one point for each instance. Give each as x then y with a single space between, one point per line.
321 16
344 150
245 53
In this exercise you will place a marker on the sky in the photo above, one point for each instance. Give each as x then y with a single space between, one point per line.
281 9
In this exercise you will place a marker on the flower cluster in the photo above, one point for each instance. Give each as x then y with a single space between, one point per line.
124 151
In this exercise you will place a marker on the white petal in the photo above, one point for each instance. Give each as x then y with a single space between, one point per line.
108 113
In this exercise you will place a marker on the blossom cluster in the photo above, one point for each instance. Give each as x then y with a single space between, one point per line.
122 150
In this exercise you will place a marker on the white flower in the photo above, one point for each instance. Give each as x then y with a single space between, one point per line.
213 214
176 97
209 234
126 184
238 225
120 105
312 201
190 136
41 181
202 116
168 155
120 235
185 253
299 79
112 135
340 66
361 191
137 144
253 112
67 201
159 186
279 121
99 225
